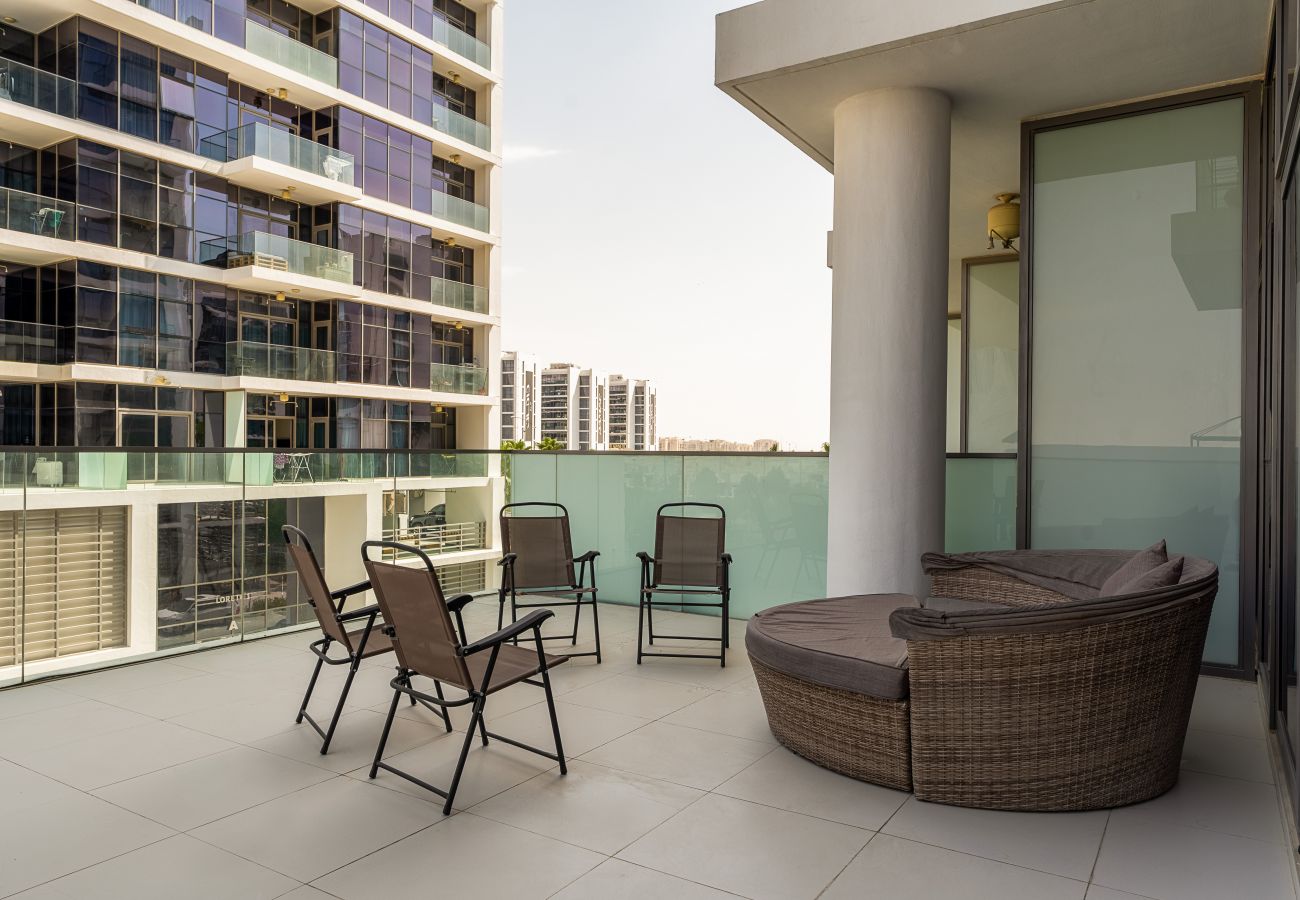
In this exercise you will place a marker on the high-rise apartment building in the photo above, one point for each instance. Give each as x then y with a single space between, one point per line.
520 398
573 407
249 224
632 414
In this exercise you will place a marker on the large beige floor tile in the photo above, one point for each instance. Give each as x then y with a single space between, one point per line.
1152 857
787 781
1060 843
29 698
617 879
688 756
162 701
99 685
177 867
1228 755
318 829
751 850
245 721
636 696
891 868
582 728
83 720
466 856
204 790
1227 706
1244 808
739 715
592 806
354 742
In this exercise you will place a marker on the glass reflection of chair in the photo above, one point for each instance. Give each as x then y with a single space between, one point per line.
690 560
418 623
538 562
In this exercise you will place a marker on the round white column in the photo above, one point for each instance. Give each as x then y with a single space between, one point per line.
889 339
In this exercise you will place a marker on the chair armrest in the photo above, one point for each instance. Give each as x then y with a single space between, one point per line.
371 610
644 557
587 557
533 620
726 559
343 593
507 559
459 602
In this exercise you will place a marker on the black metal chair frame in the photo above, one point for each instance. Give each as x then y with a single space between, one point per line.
645 612
475 696
507 563
321 646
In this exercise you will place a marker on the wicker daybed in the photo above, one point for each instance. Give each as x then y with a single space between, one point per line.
1016 686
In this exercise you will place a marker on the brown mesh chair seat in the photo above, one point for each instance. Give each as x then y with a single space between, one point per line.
538 563
690 560
357 644
419 623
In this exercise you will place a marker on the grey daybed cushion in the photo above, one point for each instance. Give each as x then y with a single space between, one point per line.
839 642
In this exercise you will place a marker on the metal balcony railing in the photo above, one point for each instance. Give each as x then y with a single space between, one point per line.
434 539
461 126
34 214
284 50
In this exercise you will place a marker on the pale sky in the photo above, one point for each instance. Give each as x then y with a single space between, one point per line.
654 227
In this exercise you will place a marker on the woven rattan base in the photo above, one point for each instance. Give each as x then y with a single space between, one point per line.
856 735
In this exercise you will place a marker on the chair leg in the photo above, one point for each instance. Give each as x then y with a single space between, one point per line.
338 710
446 713
475 722
640 627
555 722
311 686
383 738
650 617
482 729
595 625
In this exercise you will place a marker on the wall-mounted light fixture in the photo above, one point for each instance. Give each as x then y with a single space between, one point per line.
459 326
454 76
9 20
284 398
450 242
286 194
455 159
438 408
1004 221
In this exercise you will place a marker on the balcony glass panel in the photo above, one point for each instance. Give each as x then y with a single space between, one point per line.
301 58
274 361
462 212
28 342
261 140
459 295
461 126
271 251
40 90
458 379
458 41
34 214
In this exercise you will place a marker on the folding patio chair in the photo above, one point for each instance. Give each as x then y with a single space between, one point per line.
538 562
358 644
690 560
418 623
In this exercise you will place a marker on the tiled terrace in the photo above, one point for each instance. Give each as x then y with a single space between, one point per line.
187 778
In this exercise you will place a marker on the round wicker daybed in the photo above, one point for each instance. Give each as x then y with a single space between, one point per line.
1018 685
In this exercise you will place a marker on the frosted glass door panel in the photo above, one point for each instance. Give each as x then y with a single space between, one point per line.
993 319
1136 368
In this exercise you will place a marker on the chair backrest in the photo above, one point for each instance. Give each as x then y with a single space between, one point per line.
313 583
688 549
541 544
413 605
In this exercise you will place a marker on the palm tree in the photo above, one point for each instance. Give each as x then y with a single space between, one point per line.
826 446
514 445
550 443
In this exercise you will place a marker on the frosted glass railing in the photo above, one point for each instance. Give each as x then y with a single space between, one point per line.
301 58
459 295
458 41
261 140
30 342
273 251
458 379
34 214
273 361
461 126
40 90
462 212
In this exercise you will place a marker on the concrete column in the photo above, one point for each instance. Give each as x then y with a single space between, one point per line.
889 339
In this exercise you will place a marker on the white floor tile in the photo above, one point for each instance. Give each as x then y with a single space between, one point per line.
615 878
30 698
120 755
80 721
636 696
245 721
162 701
318 829
204 790
582 728
1227 706
354 742
54 838
689 756
751 850
1097 892
1244 808
98 685
787 781
179 866
1227 755
1152 857
594 807
896 869
465 856
1060 843
739 715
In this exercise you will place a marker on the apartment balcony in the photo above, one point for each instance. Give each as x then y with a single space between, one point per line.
258 360
462 127
270 263
293 55
36 108
458 379
461 43
269 159
30 342
461 212
458 295
34 229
